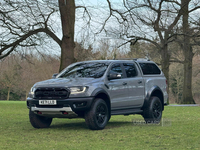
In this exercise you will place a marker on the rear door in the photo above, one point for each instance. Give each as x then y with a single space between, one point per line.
135 85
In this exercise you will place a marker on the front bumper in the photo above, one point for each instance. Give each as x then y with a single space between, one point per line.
65 108
65 112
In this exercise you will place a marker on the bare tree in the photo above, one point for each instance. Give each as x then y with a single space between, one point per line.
188 37
28 23
176 80
143 49
156 22
21 24
188 52
67 12
17 76
151 21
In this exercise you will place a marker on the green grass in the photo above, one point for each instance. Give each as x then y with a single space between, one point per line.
180 129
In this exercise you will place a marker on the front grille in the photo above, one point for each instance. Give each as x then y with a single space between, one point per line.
49 93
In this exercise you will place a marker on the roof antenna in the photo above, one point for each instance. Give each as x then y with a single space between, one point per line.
147 58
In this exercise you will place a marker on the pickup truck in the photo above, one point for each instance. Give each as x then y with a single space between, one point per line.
95 90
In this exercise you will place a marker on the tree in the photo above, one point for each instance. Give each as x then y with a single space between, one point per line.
187 37
10 75
143 49
22 23
157 22
17 76
176 80
83 54
151 21
67 12
27 23
188 53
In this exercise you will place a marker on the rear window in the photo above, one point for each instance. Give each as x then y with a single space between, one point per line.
149 68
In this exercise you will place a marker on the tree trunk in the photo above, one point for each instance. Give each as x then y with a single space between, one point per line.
67 12
8 96
165 58
165 64
187 97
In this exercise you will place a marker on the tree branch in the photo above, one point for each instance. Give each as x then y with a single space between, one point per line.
13 45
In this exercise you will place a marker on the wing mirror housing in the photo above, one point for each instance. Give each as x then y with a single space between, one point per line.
54 75
112 76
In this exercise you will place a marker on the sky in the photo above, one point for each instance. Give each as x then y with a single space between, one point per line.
86 31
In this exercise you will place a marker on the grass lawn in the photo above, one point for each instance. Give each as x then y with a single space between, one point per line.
180 129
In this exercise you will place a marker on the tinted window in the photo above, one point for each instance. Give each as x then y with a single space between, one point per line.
130 70
149 68
116 68
85 70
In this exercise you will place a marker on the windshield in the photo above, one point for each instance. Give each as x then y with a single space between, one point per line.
85 70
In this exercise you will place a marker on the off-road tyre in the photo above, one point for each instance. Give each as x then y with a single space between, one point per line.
97 117
153 112
39 121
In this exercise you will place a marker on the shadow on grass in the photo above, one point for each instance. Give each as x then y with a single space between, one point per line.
81 125
69 125
118 124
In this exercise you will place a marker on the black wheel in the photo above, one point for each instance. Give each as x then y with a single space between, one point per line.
39 121
153 113
97 117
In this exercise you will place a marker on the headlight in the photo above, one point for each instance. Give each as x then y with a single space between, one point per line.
32 92
78 89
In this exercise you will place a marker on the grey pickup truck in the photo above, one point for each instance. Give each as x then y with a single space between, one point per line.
95 90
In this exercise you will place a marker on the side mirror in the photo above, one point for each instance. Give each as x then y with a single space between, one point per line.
54 75
112 76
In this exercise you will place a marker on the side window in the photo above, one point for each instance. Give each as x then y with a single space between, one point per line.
149 68
116 68
130 70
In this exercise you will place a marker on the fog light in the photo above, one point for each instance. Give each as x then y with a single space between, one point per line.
81 104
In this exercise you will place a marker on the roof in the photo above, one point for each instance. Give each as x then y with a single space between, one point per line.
120 60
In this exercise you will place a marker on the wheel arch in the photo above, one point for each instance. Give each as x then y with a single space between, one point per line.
154 91
101 93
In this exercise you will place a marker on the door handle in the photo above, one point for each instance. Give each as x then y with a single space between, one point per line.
124 83
139 82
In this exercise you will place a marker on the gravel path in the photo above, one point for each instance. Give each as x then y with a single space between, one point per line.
188 105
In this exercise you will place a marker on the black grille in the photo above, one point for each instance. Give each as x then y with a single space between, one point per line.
49 93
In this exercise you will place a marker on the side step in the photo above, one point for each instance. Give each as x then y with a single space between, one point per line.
126 111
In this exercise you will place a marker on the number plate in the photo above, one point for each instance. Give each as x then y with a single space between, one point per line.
47 102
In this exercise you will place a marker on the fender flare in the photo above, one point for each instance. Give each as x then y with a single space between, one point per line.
99 92
149 94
